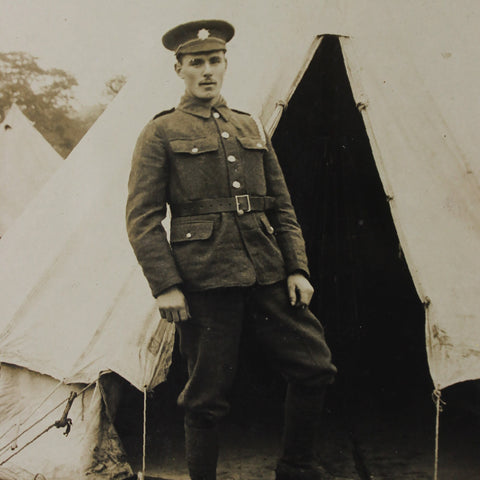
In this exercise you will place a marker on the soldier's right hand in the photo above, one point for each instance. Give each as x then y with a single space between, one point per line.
172 305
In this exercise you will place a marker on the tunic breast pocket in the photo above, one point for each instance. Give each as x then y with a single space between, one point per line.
253 145
195 168
193 148
253 149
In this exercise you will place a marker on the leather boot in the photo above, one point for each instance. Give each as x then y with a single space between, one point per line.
303 408
201 446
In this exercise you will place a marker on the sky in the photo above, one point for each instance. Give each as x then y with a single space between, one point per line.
89 39
97 39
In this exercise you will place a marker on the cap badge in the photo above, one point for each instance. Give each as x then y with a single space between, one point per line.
203 34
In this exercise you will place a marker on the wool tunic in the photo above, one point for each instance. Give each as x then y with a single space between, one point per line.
199 152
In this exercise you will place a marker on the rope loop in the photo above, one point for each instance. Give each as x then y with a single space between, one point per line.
437 399
64 420
426 303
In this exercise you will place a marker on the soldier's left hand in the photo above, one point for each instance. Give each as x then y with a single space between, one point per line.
300 290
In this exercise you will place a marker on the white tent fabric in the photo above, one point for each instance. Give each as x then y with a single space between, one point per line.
27 161
76 282
421 122
73 300
91 448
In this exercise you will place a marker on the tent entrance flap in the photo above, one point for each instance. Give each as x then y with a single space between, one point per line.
280 105
365 295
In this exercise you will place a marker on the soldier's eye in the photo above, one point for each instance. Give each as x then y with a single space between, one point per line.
196 62
215 60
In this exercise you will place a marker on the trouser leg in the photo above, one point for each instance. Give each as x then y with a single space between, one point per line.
296 343
209 341
303 409
293 338
201 448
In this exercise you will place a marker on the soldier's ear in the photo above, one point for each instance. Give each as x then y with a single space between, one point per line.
178 69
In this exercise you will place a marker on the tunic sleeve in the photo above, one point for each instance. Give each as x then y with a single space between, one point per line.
146 209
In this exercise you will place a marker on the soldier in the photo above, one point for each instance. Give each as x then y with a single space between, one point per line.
236 254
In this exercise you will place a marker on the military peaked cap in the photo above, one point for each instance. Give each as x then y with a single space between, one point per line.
199 36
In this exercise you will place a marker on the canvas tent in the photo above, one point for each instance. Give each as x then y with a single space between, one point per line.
75 283
27 161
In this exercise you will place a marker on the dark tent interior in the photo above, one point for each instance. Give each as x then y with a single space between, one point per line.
365 296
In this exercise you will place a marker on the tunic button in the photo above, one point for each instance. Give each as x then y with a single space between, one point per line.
236 184
225 134
188 235
194 150
231 158
216 115
259 145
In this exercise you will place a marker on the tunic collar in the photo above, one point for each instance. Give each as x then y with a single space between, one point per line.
194 106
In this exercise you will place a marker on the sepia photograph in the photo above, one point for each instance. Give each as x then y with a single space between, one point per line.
239 240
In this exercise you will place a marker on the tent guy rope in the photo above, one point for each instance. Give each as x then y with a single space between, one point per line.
144 434
32 412
63 422
437 397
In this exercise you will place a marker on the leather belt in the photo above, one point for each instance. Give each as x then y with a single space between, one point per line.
239 203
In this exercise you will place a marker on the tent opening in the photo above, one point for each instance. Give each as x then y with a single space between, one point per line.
365 296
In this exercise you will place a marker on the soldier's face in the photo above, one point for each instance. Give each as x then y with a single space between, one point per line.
203 73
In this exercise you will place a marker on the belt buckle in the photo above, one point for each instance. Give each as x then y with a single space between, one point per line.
238 203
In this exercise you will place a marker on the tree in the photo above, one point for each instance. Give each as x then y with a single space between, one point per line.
44 95
114 85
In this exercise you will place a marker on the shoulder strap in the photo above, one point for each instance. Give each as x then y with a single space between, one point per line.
165 112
